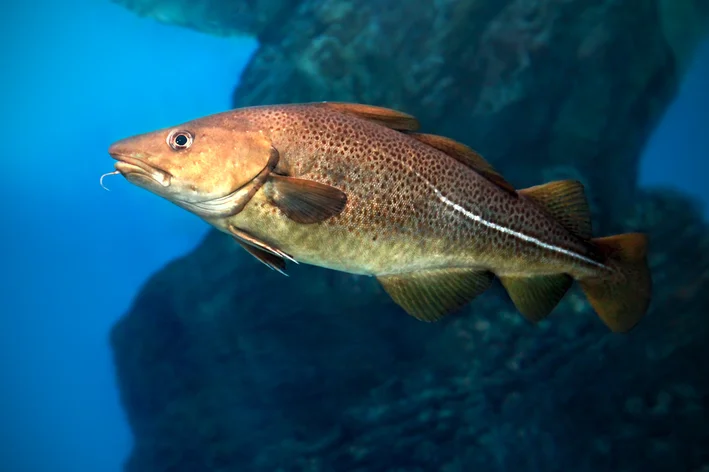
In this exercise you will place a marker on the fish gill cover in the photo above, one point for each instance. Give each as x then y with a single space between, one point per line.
224 365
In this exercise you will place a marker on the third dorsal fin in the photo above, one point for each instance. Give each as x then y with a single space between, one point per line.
565 200
384 116
467 156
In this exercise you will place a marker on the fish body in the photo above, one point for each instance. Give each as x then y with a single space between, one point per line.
355 188
410 206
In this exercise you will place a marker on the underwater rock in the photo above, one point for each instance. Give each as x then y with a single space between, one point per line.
544 89
216 17
225 365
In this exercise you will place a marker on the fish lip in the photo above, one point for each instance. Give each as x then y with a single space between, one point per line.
129 165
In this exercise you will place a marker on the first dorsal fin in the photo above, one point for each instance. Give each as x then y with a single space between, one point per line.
566 202
384 116
467 156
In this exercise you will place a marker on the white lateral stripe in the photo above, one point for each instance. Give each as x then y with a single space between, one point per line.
505 230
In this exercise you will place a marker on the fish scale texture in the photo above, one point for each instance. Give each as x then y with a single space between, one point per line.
399 192
226 366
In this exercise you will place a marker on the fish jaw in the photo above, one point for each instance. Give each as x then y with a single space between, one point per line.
135 169
141 174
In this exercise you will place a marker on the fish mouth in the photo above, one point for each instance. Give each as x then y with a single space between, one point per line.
139 171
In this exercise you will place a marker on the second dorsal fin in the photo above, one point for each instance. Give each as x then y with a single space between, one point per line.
384 116
467 156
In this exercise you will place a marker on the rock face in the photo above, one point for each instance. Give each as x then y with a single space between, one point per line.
217 17
543 88
224 365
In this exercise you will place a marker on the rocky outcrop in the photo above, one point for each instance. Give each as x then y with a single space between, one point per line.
224 365
217 17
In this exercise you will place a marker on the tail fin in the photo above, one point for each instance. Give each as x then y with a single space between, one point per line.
621 299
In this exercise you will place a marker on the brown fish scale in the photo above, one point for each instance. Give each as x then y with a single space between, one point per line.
394 221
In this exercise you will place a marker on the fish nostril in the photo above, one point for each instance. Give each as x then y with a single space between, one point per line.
121 148
116 149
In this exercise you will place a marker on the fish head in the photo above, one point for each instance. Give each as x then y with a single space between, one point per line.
206 166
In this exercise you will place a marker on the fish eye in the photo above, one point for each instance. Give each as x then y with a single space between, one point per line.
180 139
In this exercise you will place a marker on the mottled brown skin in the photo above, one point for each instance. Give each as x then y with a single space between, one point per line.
410 209
393 222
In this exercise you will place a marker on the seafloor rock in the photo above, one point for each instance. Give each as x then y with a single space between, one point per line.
224 365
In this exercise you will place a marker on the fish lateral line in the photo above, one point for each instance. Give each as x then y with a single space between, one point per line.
505 230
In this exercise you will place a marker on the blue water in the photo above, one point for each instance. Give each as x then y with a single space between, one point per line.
80 77
77 76
677 155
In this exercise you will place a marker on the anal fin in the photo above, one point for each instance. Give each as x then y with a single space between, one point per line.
432 294
535 297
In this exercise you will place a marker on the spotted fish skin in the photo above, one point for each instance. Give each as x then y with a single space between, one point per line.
410 206
356 188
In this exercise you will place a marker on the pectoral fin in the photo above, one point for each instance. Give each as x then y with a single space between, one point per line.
306 201
536 297
432 294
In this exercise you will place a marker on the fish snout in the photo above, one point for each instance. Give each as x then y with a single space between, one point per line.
120 148
134 165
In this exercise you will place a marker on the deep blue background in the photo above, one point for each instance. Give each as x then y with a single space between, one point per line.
76 76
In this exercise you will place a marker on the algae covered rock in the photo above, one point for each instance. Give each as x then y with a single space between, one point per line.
224 365
217 17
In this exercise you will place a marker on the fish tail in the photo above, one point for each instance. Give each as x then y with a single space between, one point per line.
621 296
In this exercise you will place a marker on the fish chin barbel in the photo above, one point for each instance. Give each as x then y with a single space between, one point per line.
100 181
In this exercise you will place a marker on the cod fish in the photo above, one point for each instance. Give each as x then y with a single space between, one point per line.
356 188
